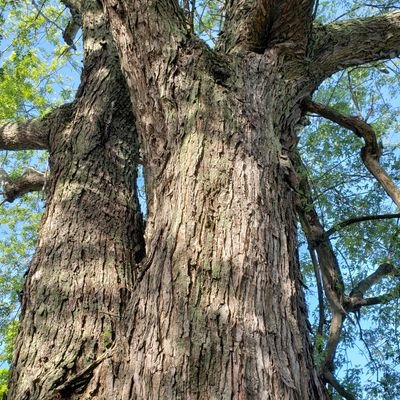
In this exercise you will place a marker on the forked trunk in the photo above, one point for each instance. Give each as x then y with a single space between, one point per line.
215 310
219 312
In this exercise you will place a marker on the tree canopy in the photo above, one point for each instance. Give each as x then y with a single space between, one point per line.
348 166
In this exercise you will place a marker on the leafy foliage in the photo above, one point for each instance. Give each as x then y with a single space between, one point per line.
344 189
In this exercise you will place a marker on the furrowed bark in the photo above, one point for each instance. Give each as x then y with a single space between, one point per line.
90 240
246 25
30 181
291 26
370 152
34 134
354 42
255 25
219 310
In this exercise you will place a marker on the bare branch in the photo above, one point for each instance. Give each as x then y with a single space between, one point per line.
330 270
75 22
354 42
30 181
314 231
371 280
371 151
318 279
355 303
33 134
337 386
355 220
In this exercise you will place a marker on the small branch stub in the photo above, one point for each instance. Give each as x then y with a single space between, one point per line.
30 181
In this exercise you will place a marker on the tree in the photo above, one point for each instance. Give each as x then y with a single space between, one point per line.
206 300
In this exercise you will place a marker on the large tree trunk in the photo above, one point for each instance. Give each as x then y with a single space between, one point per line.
219 311
90 238
215 310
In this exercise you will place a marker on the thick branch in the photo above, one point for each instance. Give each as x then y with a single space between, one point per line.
371 151
33 134
27 135
246 25
355 220
337 386
255 25
354 42
314 231
162 21
31 181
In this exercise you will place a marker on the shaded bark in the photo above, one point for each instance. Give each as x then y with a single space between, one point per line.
256 25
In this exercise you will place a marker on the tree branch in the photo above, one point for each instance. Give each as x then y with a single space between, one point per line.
321 306
355 220
330 270
33 134
27 135
255 25
371 151
337 386
355 303
354 42
30 181
371 280
246 25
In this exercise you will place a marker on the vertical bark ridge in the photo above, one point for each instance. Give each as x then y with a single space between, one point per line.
219 312
246 25
256 25
89 242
